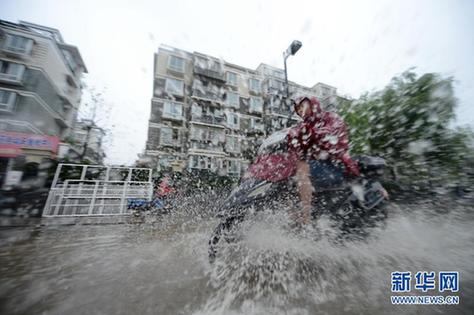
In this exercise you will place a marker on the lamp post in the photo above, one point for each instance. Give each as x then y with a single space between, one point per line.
290 51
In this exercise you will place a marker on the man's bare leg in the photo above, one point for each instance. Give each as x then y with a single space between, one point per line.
305 190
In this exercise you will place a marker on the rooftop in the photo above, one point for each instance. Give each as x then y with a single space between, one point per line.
241 68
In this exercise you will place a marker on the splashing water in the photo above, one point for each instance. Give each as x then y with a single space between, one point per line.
276 272
161 267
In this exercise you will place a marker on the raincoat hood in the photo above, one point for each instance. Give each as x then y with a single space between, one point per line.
315 108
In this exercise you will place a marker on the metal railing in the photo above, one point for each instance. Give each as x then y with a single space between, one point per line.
217 74
206 146
208 119
209 94
96 197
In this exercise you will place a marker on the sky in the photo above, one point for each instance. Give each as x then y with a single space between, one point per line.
356 46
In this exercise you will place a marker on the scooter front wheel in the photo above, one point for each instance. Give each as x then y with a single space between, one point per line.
224 227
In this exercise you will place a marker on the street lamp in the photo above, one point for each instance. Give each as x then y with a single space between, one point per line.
290 51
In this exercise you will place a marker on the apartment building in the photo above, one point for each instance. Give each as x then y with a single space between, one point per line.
207 113
40 93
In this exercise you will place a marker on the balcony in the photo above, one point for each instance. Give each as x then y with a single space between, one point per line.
16 52
214 136
208 119
10 78
208 95
235 126
216 74
206 147
172 116
279 111
233 148
275 86
170 143
256 128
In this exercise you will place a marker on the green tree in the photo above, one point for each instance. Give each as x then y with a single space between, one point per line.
409 124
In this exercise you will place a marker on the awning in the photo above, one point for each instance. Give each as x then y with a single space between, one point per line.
9 152
9 140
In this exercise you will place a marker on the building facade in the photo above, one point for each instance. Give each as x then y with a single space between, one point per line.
209 114
40 93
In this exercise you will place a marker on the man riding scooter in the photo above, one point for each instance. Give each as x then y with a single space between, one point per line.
316 151
321 144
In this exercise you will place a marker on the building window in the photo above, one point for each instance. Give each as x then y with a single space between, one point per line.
205 63
256 104
193 161
232 78
194 133
256 123
166 160
233 144
196 110
18 44
173 110
175 87
200 62
234 168
278 74
169 136
276 84
206 134
232 99
233 120
203 162
218 113
7 100
11 71
176 64
254 85
199 133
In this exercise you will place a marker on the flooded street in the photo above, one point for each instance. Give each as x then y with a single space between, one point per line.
162 268
102 269
236 157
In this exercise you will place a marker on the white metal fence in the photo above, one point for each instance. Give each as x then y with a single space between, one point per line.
99 196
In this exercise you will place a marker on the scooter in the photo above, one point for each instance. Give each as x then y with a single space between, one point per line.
355 205
140 206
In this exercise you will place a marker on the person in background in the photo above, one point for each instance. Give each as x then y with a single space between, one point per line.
164 188
162 192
